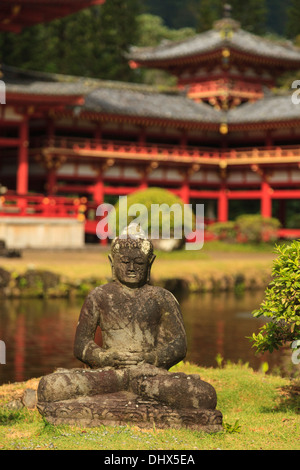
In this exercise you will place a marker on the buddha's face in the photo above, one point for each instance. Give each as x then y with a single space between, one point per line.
131 267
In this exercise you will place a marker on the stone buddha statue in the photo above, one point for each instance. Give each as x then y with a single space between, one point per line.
127 378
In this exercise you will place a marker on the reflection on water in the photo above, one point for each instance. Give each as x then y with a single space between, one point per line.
39 334
219 324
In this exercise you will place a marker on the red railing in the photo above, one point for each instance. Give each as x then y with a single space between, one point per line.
40 206
134 149
273 153
109 148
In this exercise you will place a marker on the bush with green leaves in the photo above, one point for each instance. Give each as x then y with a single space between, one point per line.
281 305
140 204
225 231
255 228
248 228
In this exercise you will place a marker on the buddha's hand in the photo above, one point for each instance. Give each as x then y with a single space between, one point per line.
123 358
129 359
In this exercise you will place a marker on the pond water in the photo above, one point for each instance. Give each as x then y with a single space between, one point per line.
39 334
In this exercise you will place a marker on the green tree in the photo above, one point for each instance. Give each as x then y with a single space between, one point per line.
118 31
209 12
293 19
152 30
92 42
277 16
176 14
252 14
281 305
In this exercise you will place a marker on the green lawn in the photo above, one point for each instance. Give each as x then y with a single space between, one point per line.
259 412
216 258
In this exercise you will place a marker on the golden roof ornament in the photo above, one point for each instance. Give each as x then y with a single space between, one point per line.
227 26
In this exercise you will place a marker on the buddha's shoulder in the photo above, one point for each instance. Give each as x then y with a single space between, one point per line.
101 291
161 294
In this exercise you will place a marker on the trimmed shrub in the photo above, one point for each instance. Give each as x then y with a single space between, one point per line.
247 228
282 301
225 231
158 196
256 228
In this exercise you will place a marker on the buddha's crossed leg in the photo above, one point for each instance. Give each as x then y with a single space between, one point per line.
177 390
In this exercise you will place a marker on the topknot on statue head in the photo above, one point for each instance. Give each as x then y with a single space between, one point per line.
132 237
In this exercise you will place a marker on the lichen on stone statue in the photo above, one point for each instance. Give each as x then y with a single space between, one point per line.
127 378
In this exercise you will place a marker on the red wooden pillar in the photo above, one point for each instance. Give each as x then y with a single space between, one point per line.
266 200
144 183
51 183
185 191
98 192
223 204
22 170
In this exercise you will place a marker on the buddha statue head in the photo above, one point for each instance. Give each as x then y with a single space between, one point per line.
131 257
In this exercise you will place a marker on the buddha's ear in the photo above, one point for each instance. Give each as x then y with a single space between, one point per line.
151 261
112 266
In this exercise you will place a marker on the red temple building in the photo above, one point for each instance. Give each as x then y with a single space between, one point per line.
223 137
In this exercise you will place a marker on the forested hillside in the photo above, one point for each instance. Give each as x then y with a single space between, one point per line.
181 13
94 42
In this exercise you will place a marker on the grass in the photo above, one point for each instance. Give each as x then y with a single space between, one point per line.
259 412
214 258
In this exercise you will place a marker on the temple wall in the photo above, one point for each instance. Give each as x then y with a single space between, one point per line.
36 232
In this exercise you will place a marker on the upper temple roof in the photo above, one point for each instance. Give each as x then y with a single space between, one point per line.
14 16
225 34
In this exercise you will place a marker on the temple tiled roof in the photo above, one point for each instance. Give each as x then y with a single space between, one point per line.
130 99
39 83
272 108
213 40
149 104
109 97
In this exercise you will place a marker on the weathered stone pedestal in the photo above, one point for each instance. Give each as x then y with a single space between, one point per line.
123 408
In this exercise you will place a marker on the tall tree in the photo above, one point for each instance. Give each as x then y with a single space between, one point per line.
293 19
92 42
152 30
277 16
118 31
209 12
175 13
251 14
